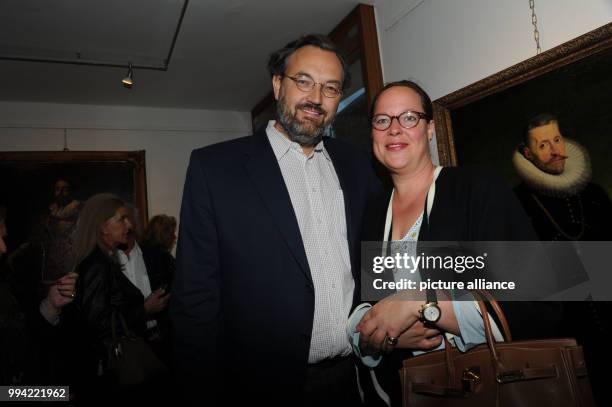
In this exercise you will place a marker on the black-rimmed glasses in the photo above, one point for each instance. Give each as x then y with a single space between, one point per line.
407 120
307 84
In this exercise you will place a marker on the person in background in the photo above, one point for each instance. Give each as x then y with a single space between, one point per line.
161 231
30 332
157 245
104 292
147 271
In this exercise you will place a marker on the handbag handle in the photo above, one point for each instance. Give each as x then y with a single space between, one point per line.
116 313
480 296
116 343
128 332
502 375
498 311
487 327
499 369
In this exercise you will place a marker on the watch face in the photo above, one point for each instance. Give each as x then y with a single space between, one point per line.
431 313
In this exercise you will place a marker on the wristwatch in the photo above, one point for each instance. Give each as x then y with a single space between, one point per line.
430 311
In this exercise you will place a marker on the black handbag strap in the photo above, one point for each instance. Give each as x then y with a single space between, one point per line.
116 313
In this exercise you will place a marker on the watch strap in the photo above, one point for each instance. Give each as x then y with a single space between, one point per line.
431 296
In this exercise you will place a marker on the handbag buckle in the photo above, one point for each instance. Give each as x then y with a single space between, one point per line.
118 350
510 376
470 378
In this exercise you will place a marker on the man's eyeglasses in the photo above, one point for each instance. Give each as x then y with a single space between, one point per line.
407 120
307 84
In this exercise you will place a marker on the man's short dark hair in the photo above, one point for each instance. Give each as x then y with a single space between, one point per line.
425 99
538 120
277 64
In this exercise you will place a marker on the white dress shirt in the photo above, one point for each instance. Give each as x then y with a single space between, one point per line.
134 268
318 203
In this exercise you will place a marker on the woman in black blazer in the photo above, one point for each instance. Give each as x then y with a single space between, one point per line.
429 204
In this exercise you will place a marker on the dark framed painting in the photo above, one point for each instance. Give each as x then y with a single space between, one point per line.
44 190
483 123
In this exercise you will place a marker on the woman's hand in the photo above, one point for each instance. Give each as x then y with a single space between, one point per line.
63 291
156 302
419 337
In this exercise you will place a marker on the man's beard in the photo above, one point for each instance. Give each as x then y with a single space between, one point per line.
304 133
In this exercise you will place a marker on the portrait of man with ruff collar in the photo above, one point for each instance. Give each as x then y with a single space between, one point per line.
556 189
558 194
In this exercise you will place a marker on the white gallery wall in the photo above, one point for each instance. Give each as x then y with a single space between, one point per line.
445 45
167 136
448 44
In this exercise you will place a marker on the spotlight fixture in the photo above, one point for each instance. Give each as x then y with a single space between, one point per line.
128 81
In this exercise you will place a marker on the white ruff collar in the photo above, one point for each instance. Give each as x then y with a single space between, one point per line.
574 178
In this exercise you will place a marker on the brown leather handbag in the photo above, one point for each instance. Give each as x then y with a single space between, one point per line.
547 372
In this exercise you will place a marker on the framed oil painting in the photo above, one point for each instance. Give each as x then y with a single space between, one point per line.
482 124
44 191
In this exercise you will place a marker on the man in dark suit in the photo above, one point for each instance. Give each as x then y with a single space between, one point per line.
268 250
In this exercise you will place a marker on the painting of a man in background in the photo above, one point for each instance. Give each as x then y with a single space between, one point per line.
556 189
564 205
61 224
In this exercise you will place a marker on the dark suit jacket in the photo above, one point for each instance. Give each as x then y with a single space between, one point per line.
160 270
243 296
160 266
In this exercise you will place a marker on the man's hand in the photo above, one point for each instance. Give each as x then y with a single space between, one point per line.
156 302
388 318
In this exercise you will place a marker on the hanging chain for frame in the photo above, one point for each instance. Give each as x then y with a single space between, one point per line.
534 21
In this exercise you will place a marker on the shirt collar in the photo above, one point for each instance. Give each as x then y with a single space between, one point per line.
135 250
281 144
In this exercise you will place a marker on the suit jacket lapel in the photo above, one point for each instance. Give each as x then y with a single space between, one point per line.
350 190
264 171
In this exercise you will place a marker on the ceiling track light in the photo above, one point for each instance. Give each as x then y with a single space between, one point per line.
128 81
77 59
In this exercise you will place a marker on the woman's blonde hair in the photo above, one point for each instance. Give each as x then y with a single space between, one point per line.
160 231
97 210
